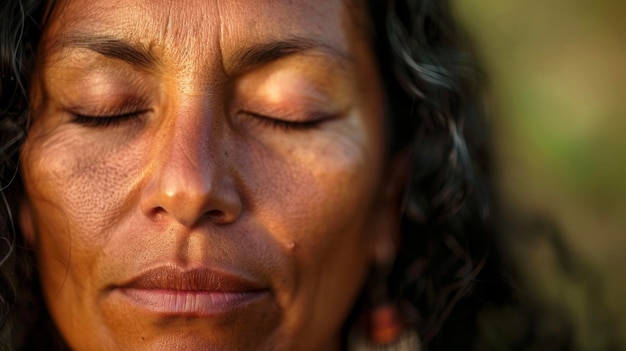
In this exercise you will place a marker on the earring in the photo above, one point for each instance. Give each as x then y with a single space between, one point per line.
382 327
385 332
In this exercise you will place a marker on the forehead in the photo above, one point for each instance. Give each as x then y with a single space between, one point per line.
201 28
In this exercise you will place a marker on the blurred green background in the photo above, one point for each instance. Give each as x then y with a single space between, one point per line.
558 79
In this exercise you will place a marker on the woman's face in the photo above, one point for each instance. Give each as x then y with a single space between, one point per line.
205 174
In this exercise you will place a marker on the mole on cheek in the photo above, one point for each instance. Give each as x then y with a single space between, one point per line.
292 247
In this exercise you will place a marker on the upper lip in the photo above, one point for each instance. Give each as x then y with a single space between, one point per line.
197 279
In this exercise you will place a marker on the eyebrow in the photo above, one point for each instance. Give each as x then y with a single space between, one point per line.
135 54
264 53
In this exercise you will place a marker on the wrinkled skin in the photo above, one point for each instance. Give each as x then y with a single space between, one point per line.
195 171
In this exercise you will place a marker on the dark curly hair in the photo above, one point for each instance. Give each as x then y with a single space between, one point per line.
448 265
436 106
19 34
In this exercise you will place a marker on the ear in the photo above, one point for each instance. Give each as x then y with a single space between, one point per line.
26 221
391 199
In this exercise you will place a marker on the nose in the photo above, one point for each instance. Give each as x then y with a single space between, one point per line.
190 180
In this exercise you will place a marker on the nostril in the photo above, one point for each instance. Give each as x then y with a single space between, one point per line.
215 216
156 212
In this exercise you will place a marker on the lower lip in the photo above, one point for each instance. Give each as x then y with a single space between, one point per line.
191 303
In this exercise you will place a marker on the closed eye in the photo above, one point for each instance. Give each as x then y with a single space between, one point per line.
107 121
284 124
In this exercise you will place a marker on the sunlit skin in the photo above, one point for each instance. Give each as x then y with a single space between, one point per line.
208 149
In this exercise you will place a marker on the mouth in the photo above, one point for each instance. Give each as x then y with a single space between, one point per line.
200 292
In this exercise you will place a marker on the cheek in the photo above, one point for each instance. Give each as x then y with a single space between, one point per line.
317 196
311 191
78 193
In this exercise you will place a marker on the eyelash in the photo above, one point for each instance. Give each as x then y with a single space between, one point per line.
282 124
103 122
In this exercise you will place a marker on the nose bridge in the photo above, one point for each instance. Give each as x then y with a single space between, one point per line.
193 136
190 179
